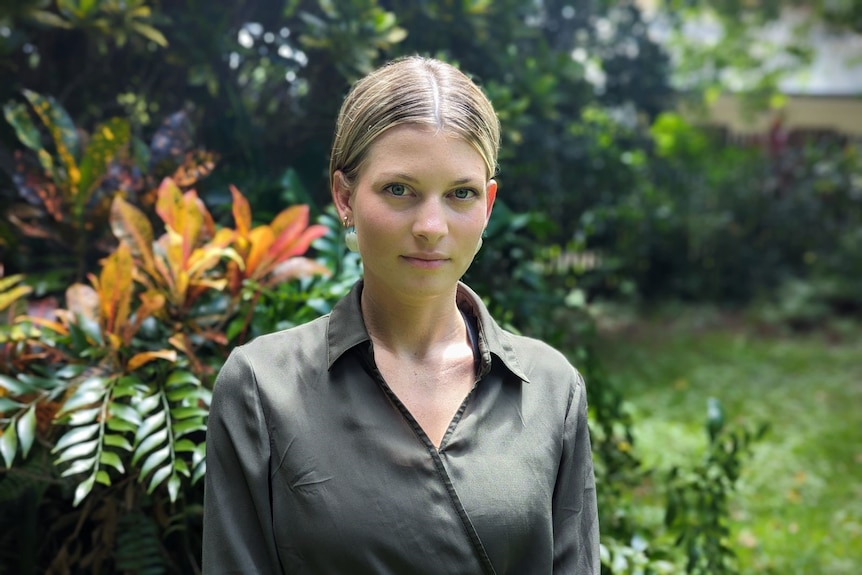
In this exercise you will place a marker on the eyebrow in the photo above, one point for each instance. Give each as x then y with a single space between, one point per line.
410 179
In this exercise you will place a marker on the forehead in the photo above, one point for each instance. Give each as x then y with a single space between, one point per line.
420 148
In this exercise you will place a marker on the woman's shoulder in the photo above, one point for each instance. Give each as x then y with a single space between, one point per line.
307 340
537 356
548 375
307 333
527 357
275 361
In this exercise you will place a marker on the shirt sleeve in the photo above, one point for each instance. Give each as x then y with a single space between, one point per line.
237 523
575 512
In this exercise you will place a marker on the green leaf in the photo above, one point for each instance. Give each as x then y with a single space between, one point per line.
178 394
9 444
149 444
158 477
182 467
155 459
199 394
88 7
125 413
150 424
199 454
76 435
80 466
91 329
27 430
147 404
49 19
15 386
95 382
184 445
84 416
84 489
186 412
77 450
58 122
188 426
118 441
128 386
36 382
70 371
200 471
150 33
235 328
103 478
174 485
112 459
179 377
106 141
8 405
19 117
81 398
121 425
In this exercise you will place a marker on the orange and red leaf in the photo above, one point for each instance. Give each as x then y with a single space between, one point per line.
132 227
241 212
143 358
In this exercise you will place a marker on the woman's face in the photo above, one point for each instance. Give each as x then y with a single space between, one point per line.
419 205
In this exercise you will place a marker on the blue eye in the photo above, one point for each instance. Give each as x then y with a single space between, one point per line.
396 189
463 193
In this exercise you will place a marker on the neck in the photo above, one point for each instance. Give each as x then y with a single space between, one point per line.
415 329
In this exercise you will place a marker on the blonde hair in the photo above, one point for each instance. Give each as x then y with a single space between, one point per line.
412 90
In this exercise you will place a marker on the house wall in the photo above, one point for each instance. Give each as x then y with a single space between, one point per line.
842 114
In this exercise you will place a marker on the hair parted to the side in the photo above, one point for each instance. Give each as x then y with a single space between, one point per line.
412 90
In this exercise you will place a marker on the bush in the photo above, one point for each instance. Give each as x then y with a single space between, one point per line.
701 220
105 388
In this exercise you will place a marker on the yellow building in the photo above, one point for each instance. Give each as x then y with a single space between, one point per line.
801 112
824 97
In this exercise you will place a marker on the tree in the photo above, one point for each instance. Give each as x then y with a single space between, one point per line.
750 46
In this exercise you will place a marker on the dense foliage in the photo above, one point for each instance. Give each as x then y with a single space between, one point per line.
139 135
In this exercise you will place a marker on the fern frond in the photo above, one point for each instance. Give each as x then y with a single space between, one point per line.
138 547
169 416
98 429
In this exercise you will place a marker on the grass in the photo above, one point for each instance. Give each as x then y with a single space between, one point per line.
798 509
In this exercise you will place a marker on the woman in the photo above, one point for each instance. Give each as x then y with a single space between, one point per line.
405 432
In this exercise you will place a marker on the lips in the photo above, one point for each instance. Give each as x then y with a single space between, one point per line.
428 257
426 261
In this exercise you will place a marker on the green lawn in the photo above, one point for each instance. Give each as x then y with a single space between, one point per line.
798 510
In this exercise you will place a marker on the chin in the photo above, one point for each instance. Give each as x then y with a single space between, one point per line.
428 287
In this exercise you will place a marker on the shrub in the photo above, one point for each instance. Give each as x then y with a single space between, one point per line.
108 395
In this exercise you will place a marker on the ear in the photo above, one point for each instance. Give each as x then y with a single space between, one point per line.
342 195
490 196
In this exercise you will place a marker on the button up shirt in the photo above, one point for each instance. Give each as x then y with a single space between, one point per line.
315 467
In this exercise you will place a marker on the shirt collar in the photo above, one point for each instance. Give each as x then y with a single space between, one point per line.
346 329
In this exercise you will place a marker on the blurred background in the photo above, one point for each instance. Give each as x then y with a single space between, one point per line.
680 212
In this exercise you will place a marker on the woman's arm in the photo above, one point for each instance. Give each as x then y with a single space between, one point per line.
576 521
237 530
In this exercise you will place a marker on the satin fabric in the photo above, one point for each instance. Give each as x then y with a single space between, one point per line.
315 467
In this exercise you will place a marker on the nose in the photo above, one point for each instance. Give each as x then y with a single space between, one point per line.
430 223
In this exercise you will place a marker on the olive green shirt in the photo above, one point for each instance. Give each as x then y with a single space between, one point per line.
315 467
